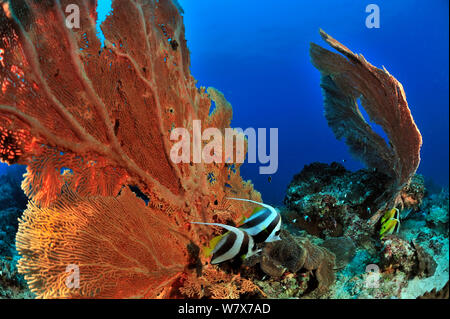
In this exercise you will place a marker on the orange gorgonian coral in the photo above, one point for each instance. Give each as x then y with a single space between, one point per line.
345 79
88 121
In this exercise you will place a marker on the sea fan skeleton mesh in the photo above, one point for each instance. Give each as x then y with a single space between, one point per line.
96 120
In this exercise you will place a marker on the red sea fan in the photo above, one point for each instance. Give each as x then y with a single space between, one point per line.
89 120
347 78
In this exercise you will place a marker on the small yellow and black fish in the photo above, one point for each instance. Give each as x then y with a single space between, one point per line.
389 214
390 223
234 243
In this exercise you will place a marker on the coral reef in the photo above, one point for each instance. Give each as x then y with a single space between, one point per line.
410 263
12 203
328 200
399 255
291 268
434 294
300 262
92 124
436 207
12 284
343 248
347 78
413 193
89 121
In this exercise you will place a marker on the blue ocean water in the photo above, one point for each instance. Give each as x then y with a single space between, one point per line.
256 53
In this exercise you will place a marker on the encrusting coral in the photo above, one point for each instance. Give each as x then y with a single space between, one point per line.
349 78
89 121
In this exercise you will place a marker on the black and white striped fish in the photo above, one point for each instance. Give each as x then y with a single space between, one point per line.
236 243
264 225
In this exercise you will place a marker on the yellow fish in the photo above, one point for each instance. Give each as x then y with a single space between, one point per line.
390 223
390 214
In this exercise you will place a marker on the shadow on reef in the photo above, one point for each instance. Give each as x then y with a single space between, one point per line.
12 203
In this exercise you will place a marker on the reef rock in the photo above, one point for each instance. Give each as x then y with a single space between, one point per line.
12 284
436 208
328 200
410 258
343 248
12 203
413 193
299 255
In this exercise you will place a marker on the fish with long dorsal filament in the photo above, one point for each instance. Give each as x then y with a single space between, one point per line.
263 225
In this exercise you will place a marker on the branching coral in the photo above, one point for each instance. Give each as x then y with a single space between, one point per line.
345 80
88 121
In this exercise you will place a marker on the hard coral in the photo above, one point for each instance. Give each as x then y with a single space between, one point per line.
12 285
410 258
343 248
349 78
436 208
298 254
328 200
88 121
413 193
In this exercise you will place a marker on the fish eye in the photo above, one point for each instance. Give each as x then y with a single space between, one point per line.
277 232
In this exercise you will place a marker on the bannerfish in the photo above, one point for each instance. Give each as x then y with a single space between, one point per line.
390 223
389 214
235 243
264 225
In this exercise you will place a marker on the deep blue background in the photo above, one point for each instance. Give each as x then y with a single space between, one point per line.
256 53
